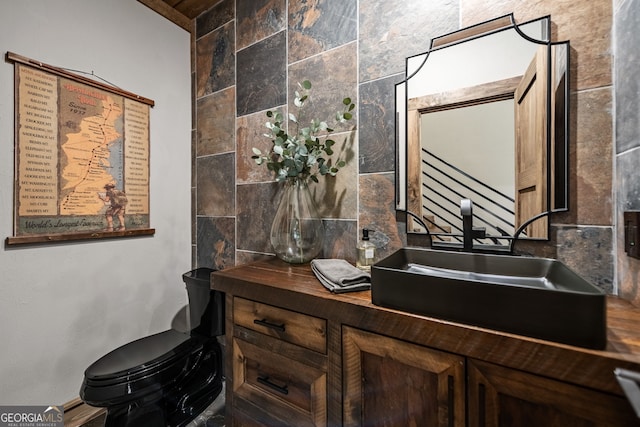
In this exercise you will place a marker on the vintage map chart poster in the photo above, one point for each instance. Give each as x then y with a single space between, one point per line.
82 158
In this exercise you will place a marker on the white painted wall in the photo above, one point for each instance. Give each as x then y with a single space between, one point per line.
63 306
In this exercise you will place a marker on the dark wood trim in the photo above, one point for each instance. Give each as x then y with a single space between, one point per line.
89 235
77 413
13 57
464 97
170 13
474 31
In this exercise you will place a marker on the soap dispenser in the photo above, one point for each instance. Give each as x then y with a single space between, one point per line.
366 252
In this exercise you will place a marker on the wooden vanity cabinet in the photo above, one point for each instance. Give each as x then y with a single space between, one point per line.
278 366
506 397
298 355
388 382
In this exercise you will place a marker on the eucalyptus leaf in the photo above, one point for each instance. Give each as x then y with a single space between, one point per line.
306 151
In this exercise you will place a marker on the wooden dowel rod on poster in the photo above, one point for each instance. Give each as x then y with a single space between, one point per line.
67 237
64 73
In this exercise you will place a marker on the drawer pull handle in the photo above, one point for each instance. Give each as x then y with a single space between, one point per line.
266 381
266 324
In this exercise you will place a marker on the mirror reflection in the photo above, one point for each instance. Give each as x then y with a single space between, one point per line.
482 117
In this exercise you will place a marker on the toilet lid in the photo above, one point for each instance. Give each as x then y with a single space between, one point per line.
141 355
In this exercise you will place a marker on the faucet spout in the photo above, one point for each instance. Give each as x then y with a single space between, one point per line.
469 232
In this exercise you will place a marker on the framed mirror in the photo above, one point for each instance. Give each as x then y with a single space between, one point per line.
483 116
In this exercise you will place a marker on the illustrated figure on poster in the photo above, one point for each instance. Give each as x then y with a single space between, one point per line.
116 201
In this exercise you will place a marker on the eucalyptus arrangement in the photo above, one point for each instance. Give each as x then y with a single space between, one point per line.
298 155
303 151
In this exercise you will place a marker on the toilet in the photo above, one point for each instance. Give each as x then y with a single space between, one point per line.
168 378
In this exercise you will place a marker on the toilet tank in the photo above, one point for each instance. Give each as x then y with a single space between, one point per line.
206 306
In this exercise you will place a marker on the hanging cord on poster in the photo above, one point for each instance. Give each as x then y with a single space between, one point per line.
92 74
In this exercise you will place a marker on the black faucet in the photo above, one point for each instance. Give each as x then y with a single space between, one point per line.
468 231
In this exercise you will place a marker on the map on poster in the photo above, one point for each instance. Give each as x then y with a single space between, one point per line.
82 157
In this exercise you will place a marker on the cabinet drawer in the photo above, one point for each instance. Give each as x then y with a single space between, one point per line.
296 328
287 390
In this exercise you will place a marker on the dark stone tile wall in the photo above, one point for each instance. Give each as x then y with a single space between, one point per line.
216 122
592 157
216 242
215 17
590 251
215 60
257 205
390 31
258 19
249 56
377 212
627 96
315 27
261 75
377 125
216 185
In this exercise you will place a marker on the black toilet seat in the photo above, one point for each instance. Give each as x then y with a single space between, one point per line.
140 355
140 367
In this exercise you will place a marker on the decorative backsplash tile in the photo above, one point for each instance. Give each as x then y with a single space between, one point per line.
215 128
390 31
376 109
215 17
589 252
377 209
333 76
261 75
341 238
216 185
627 76
591 161
259 19
321 25
250 132
216 242
257 204
215 60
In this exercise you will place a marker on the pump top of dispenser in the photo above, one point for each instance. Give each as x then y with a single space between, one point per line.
365 234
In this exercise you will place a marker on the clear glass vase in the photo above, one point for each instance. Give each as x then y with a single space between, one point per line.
297 232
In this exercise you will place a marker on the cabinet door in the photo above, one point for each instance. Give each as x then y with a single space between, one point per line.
388 382
505 397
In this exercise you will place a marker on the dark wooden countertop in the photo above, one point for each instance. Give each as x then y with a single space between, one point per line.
296 288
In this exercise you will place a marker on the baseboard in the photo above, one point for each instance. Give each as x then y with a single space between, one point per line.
77 413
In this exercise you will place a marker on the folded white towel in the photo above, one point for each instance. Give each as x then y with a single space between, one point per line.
339 276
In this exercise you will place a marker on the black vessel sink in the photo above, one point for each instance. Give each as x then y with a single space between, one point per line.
536 297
